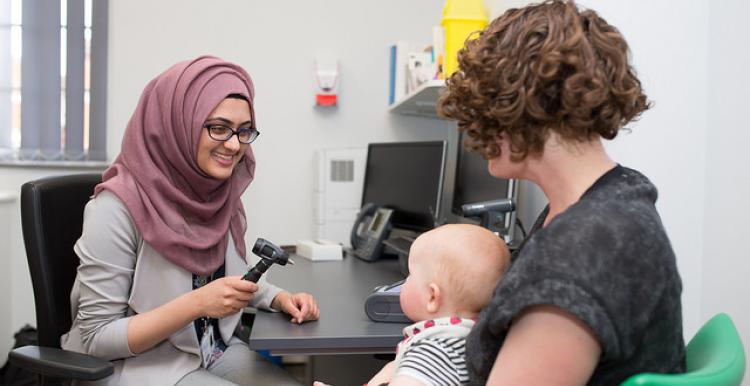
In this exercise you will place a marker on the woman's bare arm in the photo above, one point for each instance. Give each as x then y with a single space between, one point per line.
546 346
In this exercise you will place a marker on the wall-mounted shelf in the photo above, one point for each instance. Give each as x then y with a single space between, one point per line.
421 102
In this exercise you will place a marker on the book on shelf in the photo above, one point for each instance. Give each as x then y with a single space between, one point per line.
411 69
438 50
420 69
398 67
392 76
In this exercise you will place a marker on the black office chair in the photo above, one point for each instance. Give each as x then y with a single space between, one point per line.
52 219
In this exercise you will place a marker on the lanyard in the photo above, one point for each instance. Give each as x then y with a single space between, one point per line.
200 281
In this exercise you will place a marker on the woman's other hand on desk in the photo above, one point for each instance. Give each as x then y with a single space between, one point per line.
301 306
225 296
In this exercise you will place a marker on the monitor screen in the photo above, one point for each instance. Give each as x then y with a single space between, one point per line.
473 182
406 177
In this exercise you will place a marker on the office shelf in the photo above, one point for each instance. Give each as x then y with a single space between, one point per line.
421 102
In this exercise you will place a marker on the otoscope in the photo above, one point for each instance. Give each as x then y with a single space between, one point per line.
491 214
269 253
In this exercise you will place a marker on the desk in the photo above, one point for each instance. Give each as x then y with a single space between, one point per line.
340 287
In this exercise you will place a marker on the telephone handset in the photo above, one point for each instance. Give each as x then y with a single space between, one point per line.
372 226
364 215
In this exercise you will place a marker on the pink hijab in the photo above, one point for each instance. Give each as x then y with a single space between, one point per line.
179 210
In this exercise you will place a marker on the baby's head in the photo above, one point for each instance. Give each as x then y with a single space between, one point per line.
453 270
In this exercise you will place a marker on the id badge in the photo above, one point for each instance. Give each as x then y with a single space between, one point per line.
207 347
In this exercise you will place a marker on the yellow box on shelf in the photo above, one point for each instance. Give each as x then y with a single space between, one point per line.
461 19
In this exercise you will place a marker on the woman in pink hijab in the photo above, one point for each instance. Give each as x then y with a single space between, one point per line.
159 289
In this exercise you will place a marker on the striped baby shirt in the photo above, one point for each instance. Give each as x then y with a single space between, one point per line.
433 351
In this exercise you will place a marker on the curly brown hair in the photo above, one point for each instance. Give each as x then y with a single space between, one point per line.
544 67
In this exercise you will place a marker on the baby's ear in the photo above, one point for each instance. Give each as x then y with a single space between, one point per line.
435 299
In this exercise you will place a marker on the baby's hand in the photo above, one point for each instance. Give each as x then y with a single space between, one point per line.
318 383
384 375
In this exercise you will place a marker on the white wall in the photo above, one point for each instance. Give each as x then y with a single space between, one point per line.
667 143
8 201
726 265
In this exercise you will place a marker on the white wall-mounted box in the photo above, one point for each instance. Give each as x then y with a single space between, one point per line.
337 192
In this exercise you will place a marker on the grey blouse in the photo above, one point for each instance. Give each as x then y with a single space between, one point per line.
121 275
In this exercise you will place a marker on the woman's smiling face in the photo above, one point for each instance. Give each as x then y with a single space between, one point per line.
218 158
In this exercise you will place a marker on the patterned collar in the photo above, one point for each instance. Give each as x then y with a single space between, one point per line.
420 326
447 327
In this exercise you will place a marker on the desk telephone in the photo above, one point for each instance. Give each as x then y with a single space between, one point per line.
371 227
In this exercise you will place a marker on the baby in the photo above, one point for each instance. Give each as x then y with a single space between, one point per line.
453 270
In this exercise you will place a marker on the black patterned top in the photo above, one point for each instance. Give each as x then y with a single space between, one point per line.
606 260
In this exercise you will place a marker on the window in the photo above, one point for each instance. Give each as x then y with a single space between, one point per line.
53 80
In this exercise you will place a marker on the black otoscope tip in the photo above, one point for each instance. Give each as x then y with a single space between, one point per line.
269 254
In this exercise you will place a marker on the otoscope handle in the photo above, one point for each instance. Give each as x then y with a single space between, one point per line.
257 271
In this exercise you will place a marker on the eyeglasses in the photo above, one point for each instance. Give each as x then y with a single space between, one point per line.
223 133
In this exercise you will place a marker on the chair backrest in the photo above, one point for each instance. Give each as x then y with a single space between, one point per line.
715 356
52 219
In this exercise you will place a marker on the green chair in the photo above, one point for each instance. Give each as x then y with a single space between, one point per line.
714 356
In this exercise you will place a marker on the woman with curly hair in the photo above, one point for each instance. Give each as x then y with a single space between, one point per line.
593 293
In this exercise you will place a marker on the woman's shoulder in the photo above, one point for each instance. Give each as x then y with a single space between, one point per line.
614 225
621 203
106 199
621 185
106 209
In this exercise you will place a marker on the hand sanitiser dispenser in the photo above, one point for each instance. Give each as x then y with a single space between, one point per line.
326 81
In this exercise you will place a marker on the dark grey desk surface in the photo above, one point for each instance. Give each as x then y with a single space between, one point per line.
340 287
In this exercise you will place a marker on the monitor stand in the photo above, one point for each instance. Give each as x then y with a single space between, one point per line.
398 243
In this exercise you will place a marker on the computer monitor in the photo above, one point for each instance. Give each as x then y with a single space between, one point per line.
473 183
407 177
